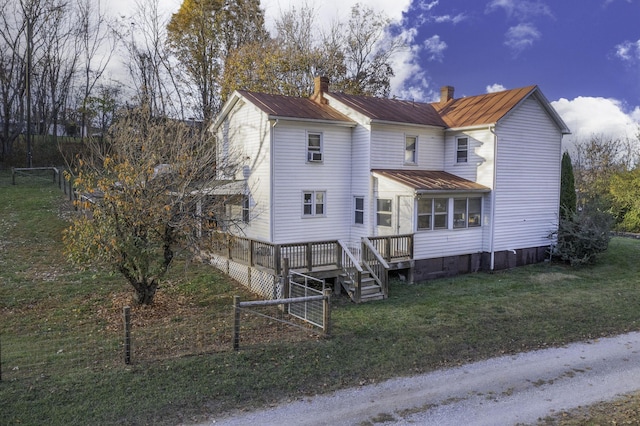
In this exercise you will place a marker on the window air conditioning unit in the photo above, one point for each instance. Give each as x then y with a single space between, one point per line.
314 156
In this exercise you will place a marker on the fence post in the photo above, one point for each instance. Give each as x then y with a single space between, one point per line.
285 283
236 323
326 312
127 335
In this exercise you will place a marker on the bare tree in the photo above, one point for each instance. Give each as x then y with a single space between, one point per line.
12 75
98 43
154 194
150 65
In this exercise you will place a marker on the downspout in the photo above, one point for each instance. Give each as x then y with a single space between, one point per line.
271 178
493 199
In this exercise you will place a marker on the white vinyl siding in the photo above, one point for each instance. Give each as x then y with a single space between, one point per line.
244 124
528 178
388 147
292 177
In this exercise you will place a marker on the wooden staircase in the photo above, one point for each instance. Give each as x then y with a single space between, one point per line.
369 288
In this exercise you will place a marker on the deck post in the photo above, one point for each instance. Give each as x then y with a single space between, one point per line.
285 282
250 255
309 257
276 259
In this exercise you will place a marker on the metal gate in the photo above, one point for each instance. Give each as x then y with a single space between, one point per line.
301 285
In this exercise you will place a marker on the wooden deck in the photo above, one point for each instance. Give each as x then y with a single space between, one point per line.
353 267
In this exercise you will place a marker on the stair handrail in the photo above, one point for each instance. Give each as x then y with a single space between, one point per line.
382 278
351 267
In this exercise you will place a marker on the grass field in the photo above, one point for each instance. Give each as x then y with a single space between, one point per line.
419 328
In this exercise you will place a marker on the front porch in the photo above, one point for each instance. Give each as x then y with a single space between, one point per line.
362 270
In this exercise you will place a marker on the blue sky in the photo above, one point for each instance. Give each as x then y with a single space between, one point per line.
584 54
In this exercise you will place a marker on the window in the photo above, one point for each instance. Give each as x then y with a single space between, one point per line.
462 149
410 149
467 212
433 213
384 212
359 210
245 209
314 147
313 203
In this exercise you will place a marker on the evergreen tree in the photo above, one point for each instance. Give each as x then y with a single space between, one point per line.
567 188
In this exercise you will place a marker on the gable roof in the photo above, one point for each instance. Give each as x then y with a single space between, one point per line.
391 110
431 181
284 107
491 107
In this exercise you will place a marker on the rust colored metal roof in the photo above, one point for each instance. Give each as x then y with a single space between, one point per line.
432 181
279 106
481 109
391 110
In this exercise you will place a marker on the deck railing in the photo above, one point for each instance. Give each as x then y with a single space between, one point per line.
376 265
394 247
310 256
351 267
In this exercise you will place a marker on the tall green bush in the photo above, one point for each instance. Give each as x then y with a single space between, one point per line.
568 197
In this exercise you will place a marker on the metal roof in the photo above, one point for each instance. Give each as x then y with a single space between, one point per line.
431 181
279 106
481 109
391 110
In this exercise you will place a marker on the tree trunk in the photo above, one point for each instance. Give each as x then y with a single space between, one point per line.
145 293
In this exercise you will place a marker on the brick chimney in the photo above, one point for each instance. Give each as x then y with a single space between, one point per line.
320 86
446 94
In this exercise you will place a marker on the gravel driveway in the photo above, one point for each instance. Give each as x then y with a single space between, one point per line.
501 391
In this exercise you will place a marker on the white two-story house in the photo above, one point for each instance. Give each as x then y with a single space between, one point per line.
450 187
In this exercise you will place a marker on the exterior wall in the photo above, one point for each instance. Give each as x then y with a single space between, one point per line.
528 178
292 175
245 140
388 189
388 147
361 184
480 162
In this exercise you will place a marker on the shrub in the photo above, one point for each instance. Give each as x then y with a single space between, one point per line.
583 235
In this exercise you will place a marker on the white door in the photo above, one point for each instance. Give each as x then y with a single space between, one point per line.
404 215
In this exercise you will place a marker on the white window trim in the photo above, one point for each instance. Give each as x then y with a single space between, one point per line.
313 204
415 150
457 150
450 202
385 212
355 209
314 155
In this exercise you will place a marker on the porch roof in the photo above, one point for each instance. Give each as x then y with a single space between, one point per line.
430 181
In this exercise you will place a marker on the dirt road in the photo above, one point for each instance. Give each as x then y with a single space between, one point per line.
499 391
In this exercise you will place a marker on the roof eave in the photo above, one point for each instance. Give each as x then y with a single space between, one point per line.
449 191
402 123
313 120
226 108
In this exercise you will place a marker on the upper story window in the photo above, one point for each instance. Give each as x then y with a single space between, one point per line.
462 149
433 213
314 147
245 208
313 203
410 145
383 215
358 209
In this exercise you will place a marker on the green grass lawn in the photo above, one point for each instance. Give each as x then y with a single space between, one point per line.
419 328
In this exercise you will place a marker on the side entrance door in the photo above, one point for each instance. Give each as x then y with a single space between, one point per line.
404 215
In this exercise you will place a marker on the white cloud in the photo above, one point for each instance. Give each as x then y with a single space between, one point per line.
628 50
435 47
594 116
521 36
495 88
442 19
521 10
